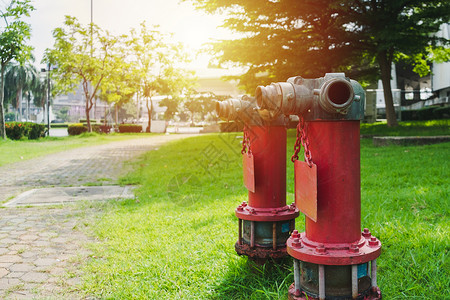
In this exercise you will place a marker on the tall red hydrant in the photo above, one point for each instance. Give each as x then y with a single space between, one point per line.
265 222
333 259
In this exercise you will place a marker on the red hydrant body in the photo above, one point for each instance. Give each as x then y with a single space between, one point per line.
265 223
332 258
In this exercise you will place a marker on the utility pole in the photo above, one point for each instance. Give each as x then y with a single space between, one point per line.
48 100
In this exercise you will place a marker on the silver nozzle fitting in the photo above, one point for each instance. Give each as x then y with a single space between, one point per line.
336 95
333 94
235 109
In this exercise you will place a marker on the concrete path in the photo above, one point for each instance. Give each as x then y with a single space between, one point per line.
40 247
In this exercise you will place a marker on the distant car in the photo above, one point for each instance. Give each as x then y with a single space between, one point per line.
57 121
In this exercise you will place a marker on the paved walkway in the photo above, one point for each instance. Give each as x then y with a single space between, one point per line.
40 248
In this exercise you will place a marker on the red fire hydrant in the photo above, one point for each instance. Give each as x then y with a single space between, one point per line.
265 222
333 259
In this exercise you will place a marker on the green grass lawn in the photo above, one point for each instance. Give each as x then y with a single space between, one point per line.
176 240
13 151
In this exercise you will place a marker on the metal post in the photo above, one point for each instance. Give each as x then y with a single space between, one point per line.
274 235
354 281
252 234
48 100
321 282
240 232
297 277
373 266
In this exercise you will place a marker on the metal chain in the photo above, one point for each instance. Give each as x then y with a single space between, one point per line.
297 145
302 139
245 142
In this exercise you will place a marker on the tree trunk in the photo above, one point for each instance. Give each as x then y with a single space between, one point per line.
20 98
385 67
28 106
149 110
2 112
88 118
116 115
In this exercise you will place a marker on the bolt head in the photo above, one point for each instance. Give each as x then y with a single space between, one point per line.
373 241
297 243
366 233
353 248
320 249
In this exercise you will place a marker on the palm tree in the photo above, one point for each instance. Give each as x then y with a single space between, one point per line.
39 91
20 78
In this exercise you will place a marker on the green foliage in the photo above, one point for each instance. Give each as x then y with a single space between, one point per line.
281 39
172 107
76 129
35 131
19 130
427 113
19 79
14 35
62 114
83 54
130 128
412 128
101 128
15 130
156 59
231 126
10 116
176 239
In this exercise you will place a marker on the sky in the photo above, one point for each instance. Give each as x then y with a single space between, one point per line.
189 26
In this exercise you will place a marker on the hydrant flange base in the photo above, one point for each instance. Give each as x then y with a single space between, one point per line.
366 249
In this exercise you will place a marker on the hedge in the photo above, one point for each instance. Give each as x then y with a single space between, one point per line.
76 129
427 113
128 128
101 128
18 130
231 126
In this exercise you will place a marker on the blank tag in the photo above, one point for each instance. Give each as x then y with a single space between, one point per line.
249 171
306 188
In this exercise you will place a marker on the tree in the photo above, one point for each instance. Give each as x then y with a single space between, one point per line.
121 85
158 62
13 38
19 79
39 91
193 105
280 39
172 107
82 54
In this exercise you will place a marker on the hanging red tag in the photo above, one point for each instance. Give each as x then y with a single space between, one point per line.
306 188
249 171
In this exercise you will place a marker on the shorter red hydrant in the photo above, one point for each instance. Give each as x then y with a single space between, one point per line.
333 259
265 221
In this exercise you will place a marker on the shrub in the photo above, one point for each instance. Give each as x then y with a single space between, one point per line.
35 131
59 125
18 130
231 126
76 129
101 128
426 113
128 128
15 130
85 121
